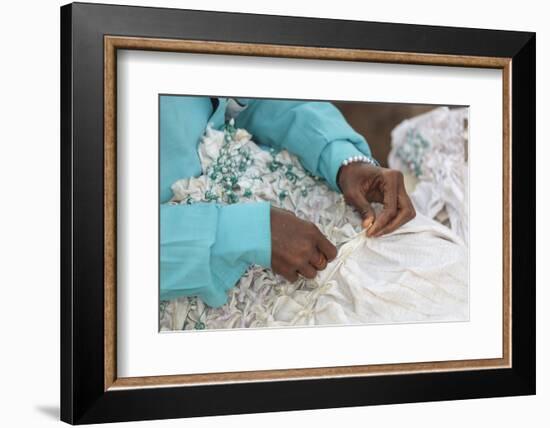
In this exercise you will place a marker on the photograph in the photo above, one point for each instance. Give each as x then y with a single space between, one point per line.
283 212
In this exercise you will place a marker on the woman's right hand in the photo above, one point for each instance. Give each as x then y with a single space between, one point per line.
297 246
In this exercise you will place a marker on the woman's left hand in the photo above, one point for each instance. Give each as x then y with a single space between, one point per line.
362 183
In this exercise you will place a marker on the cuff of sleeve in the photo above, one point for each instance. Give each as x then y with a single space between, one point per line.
332 157
244 234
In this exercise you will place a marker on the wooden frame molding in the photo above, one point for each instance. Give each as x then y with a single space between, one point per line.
113 43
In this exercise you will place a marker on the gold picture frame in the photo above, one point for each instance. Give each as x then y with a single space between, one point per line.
114 43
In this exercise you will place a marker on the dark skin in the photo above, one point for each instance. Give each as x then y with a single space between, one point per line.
299 248
362 184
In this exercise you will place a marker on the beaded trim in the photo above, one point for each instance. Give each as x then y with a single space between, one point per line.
364 159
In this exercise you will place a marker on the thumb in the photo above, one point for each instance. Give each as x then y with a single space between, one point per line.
365 210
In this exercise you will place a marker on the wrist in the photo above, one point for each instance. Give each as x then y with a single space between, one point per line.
349 168
334 155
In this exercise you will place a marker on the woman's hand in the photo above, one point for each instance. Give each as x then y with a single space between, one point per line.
362 183
297 246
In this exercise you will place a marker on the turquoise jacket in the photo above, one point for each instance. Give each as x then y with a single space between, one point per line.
206 247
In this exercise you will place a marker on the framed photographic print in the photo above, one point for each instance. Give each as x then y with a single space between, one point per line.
265 213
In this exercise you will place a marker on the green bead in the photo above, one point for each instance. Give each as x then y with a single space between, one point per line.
200 326
291 176
274 165
232 198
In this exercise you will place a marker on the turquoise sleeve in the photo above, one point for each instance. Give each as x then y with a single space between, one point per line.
306 129
182 121
206 248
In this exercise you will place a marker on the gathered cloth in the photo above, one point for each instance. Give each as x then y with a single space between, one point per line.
431 150
418 273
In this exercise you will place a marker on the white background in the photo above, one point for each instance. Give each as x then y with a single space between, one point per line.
29 220
142 351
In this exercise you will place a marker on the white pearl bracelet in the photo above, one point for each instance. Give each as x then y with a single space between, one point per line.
364 159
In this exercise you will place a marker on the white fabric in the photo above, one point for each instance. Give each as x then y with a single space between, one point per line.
417 273
431 149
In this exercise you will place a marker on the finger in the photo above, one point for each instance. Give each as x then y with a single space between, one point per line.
390 205
291 276
285 270
401 218
318 261
362 205
326 247
406 212
308 271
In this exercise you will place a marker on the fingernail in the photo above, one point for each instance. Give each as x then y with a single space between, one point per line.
367 223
